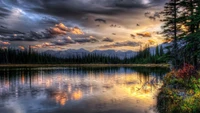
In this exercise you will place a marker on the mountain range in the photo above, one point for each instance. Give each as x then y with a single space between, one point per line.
112 53
82 52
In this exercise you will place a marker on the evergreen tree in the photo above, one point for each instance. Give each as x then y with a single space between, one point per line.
157 51
161 51
191 21
172 26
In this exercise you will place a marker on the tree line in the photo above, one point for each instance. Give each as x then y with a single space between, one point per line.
146 55
29 56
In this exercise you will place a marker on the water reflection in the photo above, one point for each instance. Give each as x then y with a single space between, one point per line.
79 90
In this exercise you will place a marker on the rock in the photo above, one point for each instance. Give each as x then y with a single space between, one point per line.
183 94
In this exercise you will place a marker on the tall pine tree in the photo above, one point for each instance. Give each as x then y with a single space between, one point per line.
191 19
171 27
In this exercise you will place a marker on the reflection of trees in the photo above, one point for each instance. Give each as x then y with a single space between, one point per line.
31 76
151 70
148 78
58 83
86 70
146 86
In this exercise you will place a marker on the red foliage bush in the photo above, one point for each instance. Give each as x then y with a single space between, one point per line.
187 71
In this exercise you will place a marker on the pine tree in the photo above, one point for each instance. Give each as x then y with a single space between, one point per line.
161 51
172 27
157 51
191 19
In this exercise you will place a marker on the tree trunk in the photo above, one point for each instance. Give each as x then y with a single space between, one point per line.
175 35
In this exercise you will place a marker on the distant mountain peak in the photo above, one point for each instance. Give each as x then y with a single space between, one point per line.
82 52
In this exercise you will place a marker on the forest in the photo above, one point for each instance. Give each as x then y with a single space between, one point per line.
29 56
182 27
181 90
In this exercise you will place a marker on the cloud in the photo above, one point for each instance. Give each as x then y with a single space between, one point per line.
152 42
90 39
61 26
122 44
144 34
23 19
146 14
157 14
29 36
43 45
57 31
4 30
64 41
153 16
100 20
76 31
4 12
68 40
107 40
61 29
114 25
78 8
133 36
60 42
43 14
42 17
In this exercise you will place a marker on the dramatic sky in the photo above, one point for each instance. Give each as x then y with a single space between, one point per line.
75 24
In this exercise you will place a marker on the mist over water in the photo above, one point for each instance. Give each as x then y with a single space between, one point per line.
80 90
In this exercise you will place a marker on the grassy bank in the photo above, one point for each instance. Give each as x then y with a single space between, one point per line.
83 65
180 94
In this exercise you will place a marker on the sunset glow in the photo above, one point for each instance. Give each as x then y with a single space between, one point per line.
84 19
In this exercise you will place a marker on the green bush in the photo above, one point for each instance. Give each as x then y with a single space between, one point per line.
179 96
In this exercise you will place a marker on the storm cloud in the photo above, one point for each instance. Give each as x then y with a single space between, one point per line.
27 15
80 21
107 40
74 8
52 32
68 40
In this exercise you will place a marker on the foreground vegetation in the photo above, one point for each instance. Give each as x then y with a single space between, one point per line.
180 92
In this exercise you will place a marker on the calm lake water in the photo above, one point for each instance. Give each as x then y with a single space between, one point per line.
79 90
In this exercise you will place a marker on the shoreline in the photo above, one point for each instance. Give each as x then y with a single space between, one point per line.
83 65
179 95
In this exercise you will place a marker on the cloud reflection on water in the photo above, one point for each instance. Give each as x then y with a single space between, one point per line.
79 90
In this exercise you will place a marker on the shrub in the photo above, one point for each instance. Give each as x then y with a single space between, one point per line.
176 95
187 72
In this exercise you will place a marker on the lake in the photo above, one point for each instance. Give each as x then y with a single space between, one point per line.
80 89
